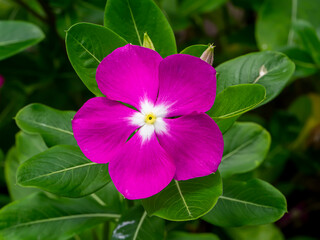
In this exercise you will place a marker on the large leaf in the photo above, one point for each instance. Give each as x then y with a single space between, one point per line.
247 203
39 217
16 36
195 50
270 69
63 170
185 200
245 147
236 100
273 36
131 19
53 125
137 225
87 44
11 165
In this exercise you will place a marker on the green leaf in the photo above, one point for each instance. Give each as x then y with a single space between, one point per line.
10 170
131 19
236 100
87 44
39 217
137 225
29 145
191 236
270 34
245 147
195 50
262 232
63 170
270 69
309 38
53 125
253 202
185 200
16 36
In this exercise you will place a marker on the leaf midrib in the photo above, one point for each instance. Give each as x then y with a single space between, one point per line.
60 171
247 203
93 215
48 126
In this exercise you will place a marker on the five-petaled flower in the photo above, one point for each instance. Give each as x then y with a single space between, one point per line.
174 138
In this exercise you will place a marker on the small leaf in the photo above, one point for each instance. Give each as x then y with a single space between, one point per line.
131 19
135 224
253 202
53 125
272 70
16 36
246 146
65 171
39 217
87 44
185 200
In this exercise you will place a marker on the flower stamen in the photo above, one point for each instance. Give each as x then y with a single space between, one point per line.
150 118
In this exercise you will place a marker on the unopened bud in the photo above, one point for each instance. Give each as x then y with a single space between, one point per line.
147 43
208 54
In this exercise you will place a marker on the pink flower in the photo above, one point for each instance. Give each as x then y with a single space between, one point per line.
175 139
1 81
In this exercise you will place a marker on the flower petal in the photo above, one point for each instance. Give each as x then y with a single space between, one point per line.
142 168
130 75
195 143
101 126
186 84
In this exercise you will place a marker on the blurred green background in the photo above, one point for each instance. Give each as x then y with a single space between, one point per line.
42 73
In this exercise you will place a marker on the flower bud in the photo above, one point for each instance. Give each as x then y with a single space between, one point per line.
147 43
208 54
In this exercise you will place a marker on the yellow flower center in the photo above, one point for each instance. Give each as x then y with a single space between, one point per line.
150 118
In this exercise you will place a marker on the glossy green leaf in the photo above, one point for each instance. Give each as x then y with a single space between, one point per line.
185 200
135 224
191 236
29 145
10 170
39 217
253 202
262 232
195 50
87 44
63 170
131 19
236 100
308 36
269 69
15 36
245 147
275 20
53 125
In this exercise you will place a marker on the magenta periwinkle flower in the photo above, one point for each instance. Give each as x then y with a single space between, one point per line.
173 137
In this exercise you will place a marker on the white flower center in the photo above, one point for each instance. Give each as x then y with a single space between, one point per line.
150 119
